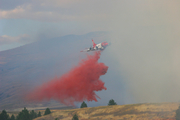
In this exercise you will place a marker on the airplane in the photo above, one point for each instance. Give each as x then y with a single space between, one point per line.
96 47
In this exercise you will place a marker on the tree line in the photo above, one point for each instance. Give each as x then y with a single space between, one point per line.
23 115
26 115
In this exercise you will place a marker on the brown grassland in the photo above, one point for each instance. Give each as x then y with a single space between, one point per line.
147 111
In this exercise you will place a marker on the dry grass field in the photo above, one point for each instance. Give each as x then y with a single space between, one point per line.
147 111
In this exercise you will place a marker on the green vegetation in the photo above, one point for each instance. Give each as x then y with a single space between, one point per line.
23 115
112 102
75 117
178 114
47 111
83 105
39 114
12 117
33 114
4 115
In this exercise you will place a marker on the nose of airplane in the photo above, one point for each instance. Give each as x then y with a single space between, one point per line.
104 44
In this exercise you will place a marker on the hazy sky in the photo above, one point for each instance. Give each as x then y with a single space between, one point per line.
24 21
144 35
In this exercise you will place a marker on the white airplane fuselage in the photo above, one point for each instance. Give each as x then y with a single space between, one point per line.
96 47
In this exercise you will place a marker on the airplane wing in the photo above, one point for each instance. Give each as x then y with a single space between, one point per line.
88 49
85 50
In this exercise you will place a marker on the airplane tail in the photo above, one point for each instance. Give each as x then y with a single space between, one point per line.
94 44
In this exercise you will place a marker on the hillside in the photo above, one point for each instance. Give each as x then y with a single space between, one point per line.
147 111
23 68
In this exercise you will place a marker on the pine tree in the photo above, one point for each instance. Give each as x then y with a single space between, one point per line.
83 105
112 102
24 115
178 114
4 115
39 114
75 117
12 117
33 114
47 111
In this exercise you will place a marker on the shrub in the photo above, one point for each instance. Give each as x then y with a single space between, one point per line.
112 102
83 105
178 114
47 111
75 117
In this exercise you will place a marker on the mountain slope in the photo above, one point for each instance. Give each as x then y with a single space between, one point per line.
23 68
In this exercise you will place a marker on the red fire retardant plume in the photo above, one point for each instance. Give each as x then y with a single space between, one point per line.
79 84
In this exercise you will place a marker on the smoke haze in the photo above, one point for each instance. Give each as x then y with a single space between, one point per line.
145 39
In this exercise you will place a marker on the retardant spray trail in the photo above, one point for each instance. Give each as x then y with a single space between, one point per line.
79 84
